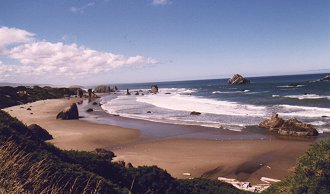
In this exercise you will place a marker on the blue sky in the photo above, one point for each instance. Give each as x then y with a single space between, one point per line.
118 41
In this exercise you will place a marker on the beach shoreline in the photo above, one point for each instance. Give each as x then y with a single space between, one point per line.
239 158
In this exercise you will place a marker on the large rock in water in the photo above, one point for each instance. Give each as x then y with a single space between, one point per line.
154 89
238 79
326 78
39 132
69 113
274 123
294 127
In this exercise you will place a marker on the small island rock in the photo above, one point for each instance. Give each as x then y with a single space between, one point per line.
238 79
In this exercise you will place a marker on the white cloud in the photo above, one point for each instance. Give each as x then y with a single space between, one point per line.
160 2
10 36
61 60
82 8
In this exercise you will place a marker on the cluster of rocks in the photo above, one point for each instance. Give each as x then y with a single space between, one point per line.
290 127
105 89
238 79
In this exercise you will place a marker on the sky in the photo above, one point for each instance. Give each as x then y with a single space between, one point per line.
81 42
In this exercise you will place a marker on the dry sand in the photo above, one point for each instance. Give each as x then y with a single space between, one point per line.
71 134
247 160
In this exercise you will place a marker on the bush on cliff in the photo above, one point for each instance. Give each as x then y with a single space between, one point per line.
312 174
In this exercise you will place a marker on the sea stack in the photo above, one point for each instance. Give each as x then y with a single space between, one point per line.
154 89
238 79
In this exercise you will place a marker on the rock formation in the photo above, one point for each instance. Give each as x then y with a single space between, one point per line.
102 89
80 93
294 127
326 78
69 113
291 127
154 89
274 123
39 133
238 79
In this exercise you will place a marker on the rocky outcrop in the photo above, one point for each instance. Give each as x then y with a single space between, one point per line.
294 127
154 89
69 113
326 78
238 79
274 123
291 127
80 93
39 133
102 89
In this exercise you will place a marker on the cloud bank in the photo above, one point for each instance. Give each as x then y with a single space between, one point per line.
60 60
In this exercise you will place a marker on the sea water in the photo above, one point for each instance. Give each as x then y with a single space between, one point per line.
226 106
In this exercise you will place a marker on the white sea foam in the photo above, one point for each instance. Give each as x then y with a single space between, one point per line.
192 103
303 96
231 92
287 86
318 123
303 111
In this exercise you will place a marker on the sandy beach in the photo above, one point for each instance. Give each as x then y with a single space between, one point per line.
71 134
245 160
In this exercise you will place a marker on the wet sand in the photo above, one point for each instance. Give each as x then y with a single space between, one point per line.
246 156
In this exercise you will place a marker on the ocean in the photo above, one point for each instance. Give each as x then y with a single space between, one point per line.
232 107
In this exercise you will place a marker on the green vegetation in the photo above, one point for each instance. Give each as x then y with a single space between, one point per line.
312 174
31 166
11 96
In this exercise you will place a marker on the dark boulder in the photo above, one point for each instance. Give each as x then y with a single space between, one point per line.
294 127
154 89
39 133
238 79
94 103
274 123
69 113
89 110
127 92
195 113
